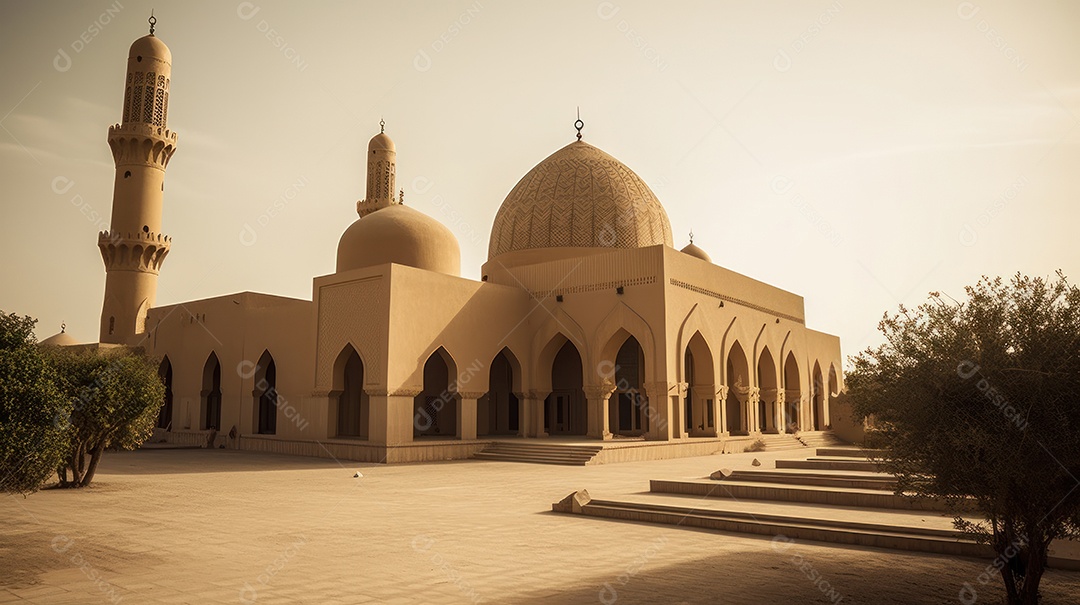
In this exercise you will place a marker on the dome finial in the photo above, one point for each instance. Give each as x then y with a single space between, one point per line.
691 236
382 126
63 327
579 124
153 21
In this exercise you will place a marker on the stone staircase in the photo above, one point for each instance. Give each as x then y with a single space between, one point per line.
818 439
780 442
902 534
539 453
830 497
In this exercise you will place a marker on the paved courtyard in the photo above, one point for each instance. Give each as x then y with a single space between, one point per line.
199 526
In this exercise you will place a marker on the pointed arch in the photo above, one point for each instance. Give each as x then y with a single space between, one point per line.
817 398
547 341
565 410
699 376
768 391
792 394
628 409
695 322
619 324
265 395
211 393
350 406
738 396
165 373
435 407
545 358
498 411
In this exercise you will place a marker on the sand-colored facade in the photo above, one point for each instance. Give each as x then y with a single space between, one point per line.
586 321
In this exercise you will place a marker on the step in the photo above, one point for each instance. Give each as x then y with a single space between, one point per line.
537 453
841 480
529 460
878 536
862 498
835 464
853 452
544 448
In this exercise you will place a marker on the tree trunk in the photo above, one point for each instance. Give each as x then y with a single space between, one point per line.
73 465
1036 565
95 457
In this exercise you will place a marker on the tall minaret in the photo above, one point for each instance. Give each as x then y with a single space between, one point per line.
134 248
381 173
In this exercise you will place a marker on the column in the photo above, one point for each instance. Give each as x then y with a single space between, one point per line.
720 409
780 416
753 396
390 417
323 411
658 410
598 397
678 411
523 416
466 414
534 411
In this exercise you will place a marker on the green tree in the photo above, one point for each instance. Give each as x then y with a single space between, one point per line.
32 438
115 400
976 403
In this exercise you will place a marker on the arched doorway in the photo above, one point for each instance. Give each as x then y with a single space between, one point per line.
498 409
265 394
435 408
211 393
700 389
565 409
834 391
630 414
352 401
792 394
165 413
817 398
738 382
766 371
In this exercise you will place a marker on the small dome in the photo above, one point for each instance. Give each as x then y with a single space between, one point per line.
579 197
151 46
60 339
693 250
381 142
402 235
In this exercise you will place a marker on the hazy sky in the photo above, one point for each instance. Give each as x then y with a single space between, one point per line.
856 153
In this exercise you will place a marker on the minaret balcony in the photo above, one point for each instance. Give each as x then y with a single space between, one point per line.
128 129
140 251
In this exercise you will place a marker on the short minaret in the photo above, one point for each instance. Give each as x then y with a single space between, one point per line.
134 248
381 173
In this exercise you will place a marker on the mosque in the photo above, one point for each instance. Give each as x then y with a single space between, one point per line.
586 322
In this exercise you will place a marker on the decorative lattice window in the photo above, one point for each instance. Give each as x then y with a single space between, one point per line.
165 113
127 101
159 105
148 105
130 74
136 103
138 78
161 81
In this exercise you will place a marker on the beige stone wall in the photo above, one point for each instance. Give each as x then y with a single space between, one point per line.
396 317
238 329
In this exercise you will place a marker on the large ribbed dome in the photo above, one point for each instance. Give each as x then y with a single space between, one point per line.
402 235
579 197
